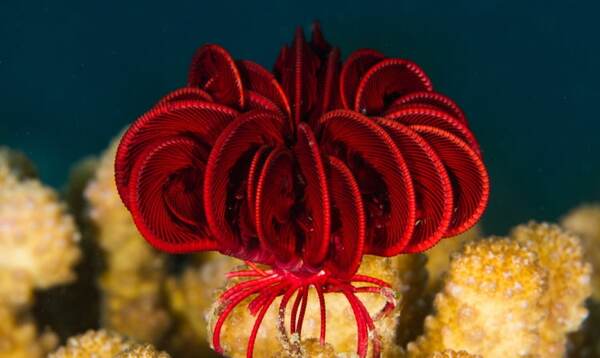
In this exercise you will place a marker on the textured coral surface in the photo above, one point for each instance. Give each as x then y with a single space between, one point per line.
38 238
453 354
489 304
561 254
105 344
517 296
438 257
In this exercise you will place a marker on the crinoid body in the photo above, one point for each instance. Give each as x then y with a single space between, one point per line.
300 173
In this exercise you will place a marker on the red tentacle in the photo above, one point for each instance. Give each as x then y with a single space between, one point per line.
353 71
214 70
369 279
300 321
362 342
431 182
348 239
295 306
257 323
434 99
234 300
316 204
470 182
258 79
387 80
323 314
382 174
186 94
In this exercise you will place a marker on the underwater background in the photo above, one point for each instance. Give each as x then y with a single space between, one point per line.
73 73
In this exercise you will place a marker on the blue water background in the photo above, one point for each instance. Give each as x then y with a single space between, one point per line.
74 73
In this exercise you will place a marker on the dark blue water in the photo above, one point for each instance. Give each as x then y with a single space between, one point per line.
73 73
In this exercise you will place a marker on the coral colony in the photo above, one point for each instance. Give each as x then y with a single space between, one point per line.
300 172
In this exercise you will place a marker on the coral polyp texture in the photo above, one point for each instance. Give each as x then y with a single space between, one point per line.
568 275
38 238
453 354
489 281
305 169
132 282
438 257
105 344
510 297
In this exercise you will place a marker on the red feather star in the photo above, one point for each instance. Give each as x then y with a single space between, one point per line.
305 169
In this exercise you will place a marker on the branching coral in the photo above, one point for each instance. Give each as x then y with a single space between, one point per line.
19 337
105 344
132 283
81 296
511 297
38 239
489 304
561 255
402 272
438 261
142 351
438 257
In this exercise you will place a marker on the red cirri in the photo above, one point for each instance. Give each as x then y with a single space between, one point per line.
304 169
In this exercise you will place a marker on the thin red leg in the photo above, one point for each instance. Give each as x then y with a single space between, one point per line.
256 268
323 313
257 323
385 292
247 284
222 317
371 326
302 311
362 341
255 305
293 321
369 279
282 307
234 300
